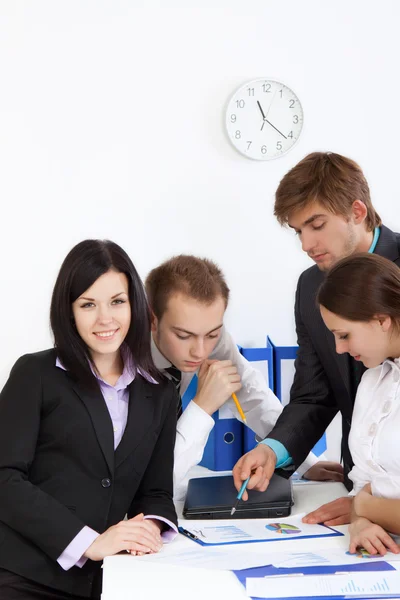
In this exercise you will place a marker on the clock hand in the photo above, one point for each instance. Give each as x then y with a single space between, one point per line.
262 126
262 112
275 128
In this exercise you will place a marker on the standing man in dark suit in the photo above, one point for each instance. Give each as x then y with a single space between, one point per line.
325 199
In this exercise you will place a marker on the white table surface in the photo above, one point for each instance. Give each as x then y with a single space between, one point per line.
127 579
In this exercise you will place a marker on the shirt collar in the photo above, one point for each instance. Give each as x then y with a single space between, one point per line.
377 233
128 373
159 359
388 365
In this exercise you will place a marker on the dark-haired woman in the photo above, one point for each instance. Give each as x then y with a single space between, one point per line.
87 433
360 303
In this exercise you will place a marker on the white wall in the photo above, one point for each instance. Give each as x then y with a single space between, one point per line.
111 125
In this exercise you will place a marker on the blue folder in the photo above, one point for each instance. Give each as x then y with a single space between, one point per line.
320 570
256 355
289 353
225 443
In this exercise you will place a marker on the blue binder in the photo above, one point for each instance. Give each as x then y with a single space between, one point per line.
258 355
225 443
289 353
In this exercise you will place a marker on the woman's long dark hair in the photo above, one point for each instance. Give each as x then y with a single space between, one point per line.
361 286
83 265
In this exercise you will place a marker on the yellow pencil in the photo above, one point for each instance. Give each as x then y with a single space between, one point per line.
240 409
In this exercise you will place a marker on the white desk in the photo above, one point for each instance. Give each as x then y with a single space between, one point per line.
127 579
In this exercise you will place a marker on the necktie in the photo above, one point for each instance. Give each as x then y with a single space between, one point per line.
176 376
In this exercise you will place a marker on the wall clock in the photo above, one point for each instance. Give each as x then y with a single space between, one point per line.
264 119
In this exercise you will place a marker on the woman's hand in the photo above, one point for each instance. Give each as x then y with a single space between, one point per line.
362 500
137 536
372 537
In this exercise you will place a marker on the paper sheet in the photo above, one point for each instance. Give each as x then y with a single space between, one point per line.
242 530
334 556
348 585
205 558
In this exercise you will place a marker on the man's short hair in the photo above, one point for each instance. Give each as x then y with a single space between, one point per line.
328 178
197 278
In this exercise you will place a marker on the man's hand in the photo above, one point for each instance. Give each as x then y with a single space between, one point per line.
372 537
218 380
137 536
325 471
334 513
259 462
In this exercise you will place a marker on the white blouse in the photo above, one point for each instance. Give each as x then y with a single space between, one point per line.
374 439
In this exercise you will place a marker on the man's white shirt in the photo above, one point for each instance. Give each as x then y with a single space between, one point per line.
260 405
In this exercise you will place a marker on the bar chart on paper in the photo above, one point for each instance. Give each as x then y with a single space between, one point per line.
349 585
379 587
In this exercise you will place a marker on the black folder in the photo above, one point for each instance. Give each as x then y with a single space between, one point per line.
213 498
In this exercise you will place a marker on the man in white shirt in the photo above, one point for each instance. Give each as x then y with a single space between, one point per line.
188 297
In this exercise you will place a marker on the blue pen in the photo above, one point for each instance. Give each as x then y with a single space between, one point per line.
239 496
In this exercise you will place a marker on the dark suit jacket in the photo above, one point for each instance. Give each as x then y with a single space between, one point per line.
59 471
322 385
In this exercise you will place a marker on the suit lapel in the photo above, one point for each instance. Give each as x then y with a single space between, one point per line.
140 418
388 245
98 411
339 360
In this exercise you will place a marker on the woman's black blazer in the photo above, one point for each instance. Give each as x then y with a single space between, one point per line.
59 470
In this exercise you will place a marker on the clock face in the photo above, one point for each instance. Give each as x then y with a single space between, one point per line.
264 119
